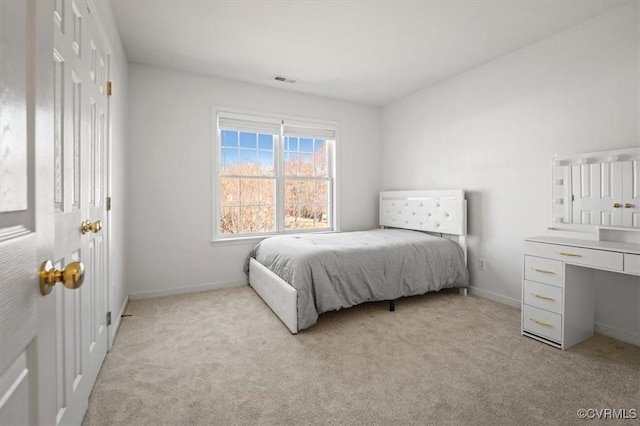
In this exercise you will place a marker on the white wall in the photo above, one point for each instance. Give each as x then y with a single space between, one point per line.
494 130
118 109
170 177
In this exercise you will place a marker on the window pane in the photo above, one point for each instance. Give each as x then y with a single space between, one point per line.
265 142
299 164
266 162
321 195
302 198
267 191
321 216
320 158
290 191
300 191
305 165
250 192
257 219
253 157
248 140
229 220
290 164
292 144
229 161
292 217
301 216
229 192
306 145
256 192
229 138
247 156
247 205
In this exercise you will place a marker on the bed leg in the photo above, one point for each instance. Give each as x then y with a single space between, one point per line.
392 305
463 291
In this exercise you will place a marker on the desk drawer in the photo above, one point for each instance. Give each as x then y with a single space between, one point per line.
632 263
542 323
577 255
543 296
542 270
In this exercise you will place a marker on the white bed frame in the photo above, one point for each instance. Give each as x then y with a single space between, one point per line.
438 212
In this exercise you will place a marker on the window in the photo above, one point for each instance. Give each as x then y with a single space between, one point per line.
273 176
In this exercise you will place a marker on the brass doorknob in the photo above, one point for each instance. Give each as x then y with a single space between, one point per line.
94 227
628 205
617 205
71 276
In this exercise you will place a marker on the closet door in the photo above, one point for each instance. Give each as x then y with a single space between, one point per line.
597 194
80 117
27 380
630 199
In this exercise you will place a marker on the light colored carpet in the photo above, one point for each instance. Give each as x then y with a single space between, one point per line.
224 358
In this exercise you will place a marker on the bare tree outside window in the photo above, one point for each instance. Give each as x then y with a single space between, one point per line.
306 192
249 181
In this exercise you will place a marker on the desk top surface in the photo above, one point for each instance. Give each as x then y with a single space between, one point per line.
598 245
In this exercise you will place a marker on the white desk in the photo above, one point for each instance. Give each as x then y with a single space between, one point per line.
558 289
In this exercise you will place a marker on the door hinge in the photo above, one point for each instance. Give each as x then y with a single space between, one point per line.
109 88
108 318
108 203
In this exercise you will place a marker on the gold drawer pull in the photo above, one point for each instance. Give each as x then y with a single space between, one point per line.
543 297
544 271
564 253
542 323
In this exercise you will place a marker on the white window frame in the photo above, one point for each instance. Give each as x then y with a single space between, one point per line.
285 120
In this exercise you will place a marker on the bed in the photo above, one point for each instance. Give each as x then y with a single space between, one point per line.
420 247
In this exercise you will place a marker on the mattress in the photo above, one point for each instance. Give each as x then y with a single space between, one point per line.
338 270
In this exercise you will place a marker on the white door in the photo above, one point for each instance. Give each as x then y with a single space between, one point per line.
631 193
596 189
606 194
27 373
80 114
53 114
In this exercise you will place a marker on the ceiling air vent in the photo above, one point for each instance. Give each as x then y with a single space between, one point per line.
283 79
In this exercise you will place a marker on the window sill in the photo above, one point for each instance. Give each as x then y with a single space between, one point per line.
252 240
239 241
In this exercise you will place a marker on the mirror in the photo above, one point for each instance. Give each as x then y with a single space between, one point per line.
601 188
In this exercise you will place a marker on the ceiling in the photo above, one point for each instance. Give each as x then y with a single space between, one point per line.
370 52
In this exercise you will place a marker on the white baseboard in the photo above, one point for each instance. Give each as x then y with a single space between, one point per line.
115 326
615 333
191 289
495 297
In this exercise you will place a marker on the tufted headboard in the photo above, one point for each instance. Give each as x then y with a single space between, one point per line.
435 211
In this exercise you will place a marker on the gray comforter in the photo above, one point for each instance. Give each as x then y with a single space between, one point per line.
333 271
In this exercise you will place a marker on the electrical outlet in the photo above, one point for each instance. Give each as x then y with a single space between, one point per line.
482 264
